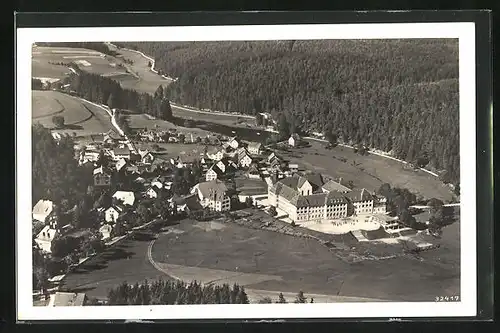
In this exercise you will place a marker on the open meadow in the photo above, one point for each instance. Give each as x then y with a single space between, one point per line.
46 61
80 117
146 80
368 171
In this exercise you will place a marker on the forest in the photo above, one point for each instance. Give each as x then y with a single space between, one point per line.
103 90
398 96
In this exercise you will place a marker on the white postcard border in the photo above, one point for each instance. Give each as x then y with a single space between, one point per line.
464 31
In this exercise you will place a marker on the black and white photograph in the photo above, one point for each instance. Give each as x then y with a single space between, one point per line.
203 168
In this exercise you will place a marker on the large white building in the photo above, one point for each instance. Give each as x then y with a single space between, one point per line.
213 195
308 199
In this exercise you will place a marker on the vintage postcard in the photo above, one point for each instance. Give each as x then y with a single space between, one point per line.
219 172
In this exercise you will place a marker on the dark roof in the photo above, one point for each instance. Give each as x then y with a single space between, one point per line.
192 203
121 151
359 195
296 181
217 170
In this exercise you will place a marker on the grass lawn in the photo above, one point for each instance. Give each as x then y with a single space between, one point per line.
126 261
213 117
369 171
140 121
44 57
80 117
250 186
293 264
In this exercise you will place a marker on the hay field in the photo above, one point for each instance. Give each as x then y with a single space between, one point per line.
80 117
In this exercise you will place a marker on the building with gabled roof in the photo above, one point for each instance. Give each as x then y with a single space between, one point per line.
214 172
127 197
45 237
333 186
254 148
302 199
362 201
101 177
43 211
213 195
294 140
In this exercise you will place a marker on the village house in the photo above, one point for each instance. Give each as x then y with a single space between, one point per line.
44 211
253 172
185 204
255 148
127 197
110 138
112 213
106 231
119 153
294 140
303 200
45 237
216 156
97 139
293 167
233 143
101 177
120 164
151 192
244 160
221 165
213 173
213 195
67 299
146 157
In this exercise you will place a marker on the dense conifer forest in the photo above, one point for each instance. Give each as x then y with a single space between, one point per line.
399 96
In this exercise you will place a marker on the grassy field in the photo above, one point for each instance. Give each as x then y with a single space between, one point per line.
187 152
250 186
44 57
126 261
147 81
143 121
260 260
271 261
369 171
218 118
80 117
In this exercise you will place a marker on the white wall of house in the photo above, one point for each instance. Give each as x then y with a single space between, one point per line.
210 175
111 214
245 161
363 207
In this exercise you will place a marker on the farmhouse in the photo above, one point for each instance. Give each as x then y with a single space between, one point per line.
255 148
294 140
233 143
67 299
213 195
44 211
217 156
253 172
302 199
127 197
101 177
213 173
45 237
390 224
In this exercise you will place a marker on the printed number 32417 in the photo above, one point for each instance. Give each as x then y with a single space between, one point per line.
447 298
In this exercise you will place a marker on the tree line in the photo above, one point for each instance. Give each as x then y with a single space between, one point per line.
399 96
168 292
103 90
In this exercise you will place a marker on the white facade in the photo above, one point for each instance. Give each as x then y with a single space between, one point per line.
292 142
111 214
363 207
221 166
45 237
210 175
151 193
245 161
127 197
